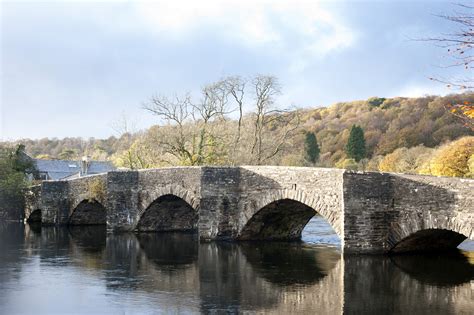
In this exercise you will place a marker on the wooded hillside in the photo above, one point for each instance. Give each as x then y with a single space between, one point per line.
401 134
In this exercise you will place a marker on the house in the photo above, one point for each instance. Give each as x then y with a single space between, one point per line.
67 169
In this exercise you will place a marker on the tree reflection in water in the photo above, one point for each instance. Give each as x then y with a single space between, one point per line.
173 272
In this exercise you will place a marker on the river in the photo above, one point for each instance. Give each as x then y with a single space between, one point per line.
84 270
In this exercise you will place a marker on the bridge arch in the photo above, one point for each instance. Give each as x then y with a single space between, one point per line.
420 235
88 212
283 214
34 216
168 208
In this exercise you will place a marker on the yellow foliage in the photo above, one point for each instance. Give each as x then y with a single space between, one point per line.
97 190
390 161
404 160
454 159
348 164
293 160
470 164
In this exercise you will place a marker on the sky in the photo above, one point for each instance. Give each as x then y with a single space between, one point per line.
77 68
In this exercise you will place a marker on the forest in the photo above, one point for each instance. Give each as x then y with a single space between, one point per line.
407 135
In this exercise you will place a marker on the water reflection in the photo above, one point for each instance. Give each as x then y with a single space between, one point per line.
61 270
289 263
449 269
170 250
378 284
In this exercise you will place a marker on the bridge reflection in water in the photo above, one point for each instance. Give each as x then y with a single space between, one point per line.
59 270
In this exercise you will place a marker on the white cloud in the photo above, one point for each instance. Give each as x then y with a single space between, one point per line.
304 27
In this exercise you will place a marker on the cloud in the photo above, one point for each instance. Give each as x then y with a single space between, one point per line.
306 27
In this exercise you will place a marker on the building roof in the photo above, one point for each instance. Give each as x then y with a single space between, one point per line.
59 169
96 167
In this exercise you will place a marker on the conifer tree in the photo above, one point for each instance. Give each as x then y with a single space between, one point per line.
355 147
311 148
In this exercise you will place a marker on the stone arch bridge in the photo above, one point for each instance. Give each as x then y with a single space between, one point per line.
371 212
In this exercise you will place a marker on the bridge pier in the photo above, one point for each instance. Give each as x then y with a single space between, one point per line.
220 196
122 200
55 202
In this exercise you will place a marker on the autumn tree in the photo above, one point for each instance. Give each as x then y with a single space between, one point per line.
355 148
311 148
453 159
406 160
68 154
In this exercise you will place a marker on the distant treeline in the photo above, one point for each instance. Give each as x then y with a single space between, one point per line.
401 134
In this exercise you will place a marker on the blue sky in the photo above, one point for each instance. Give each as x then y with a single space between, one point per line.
74 68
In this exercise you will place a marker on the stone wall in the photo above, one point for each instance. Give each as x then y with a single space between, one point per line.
318 188
32 201
60 199
231 196
427 202
131 193
11 205
381 209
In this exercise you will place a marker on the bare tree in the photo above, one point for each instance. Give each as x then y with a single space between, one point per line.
213 106
192 122
459 46
266 116
123 125
175 112
235 87
199 133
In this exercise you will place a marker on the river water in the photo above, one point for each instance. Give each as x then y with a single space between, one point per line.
82 270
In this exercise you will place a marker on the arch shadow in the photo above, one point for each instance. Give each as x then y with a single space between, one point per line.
90 238
168 213
35 216
449 269
88 212
283 216
170 251
428 240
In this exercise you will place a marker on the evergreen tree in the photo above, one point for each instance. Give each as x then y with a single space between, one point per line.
355 148
311 148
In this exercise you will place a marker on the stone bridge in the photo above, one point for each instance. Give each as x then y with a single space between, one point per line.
371 212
